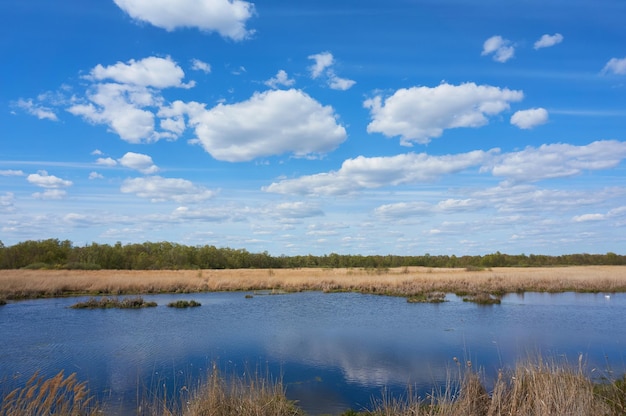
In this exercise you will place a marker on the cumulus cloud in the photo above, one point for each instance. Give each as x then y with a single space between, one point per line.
127 101
95 175
337 83
148 72
547 41
419 114
615 66
269 123
322 61
375 172
280 79
37 110
159 189
528 119
500 48
142 163
226 17
323 66
198 65
558 160
44 180
106 161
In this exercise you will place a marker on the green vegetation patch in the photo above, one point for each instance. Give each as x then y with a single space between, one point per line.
430 297
181 304
110 303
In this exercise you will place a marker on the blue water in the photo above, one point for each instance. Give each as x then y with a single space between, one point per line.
332 351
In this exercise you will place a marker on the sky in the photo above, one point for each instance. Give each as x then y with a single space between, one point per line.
314 127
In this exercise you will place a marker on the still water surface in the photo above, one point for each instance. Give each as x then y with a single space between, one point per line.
333 351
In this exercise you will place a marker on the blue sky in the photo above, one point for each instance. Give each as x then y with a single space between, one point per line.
356 127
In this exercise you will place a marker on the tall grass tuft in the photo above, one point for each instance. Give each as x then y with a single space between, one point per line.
250 396
537 388
58 395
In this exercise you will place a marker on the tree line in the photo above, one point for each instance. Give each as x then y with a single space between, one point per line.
57 254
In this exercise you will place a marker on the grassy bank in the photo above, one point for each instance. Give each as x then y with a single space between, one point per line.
536 388
406 281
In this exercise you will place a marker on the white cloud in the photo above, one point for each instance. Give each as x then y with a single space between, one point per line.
528 119
95 175
37 110
362 173
7 202
341 84
142 163
280 79
589 217
322 61
547 41
500 48
198 65
44 180
159 189
226 17
296 210
149 72
11 172
121 108
559 160
323 66
97 152
50 194
106 161
419 114
127 105
615 66
269 123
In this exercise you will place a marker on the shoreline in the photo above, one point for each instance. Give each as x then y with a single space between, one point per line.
17 284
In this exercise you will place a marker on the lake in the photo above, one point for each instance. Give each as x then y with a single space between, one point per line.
333 351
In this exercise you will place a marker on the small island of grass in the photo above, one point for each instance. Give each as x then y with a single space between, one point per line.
181 304
109 303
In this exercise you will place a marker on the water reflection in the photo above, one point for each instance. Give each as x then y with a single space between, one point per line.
333 351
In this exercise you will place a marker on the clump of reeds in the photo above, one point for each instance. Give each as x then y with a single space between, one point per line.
249 396
108 303
181 304
482 298
429 297
531 389
58 395
3 301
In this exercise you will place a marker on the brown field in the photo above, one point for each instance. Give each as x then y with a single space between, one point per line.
407 281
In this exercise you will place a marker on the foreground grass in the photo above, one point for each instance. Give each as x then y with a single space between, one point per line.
536 388
406 281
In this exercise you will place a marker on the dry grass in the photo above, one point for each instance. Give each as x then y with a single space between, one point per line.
18 284
531 389
58 395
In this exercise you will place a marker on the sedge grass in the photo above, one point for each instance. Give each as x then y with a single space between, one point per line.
406 281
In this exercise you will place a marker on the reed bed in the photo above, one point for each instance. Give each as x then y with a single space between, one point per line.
532 388
406 281
58 395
